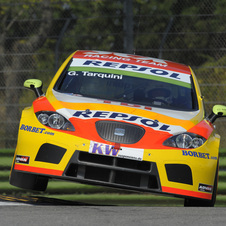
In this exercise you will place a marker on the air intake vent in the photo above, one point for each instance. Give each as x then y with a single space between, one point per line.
119 132
179 173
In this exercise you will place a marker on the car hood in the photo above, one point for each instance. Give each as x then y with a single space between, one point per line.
84 113
73 105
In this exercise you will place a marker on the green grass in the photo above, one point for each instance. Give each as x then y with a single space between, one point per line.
4 175
6 161
7 151
222 162
222 150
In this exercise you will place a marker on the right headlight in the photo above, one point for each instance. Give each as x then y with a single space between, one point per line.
54 120
185 141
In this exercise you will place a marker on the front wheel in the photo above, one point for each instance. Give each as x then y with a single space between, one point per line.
201 202
28 181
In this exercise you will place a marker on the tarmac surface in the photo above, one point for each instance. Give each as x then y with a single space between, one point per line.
44 211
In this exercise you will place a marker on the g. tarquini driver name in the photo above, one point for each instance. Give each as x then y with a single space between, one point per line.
96 74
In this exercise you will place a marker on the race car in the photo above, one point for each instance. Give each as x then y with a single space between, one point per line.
124 121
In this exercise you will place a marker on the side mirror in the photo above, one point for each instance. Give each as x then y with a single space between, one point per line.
218 111
35 85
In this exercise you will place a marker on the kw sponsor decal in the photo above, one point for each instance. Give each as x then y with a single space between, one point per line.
155 124
109 150
33 129
205 188
104 149
22 159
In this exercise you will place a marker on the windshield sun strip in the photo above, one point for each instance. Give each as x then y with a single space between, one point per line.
132 74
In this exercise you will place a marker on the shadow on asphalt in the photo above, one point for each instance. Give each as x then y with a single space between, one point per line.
37 200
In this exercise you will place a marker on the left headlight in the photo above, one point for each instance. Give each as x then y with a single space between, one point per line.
54 120
185 140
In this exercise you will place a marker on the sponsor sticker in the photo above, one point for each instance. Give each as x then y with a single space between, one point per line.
178 76
109 150
205 188
22 159
125 57
152 123
95 74
196 154
33 129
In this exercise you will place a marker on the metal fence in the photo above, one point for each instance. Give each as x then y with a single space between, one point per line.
36 37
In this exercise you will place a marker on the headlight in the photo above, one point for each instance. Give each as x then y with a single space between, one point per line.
185 140
54 120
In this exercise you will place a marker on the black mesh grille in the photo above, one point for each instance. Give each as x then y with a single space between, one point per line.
113 161
113 171
119 132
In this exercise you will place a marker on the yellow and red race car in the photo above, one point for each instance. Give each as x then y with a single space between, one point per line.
124 121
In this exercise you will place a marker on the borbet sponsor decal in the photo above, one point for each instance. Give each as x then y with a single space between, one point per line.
205 188
22 159
133 68
110 150
196 154
34 129
152 123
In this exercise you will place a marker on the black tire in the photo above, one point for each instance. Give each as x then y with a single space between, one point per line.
28 181
201 202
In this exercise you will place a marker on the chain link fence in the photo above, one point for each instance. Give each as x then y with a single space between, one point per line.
36 36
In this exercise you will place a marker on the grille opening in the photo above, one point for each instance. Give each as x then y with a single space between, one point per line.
113 171
94 173
152 182
93 158
131 164
126 178
112 176
114 161
72 170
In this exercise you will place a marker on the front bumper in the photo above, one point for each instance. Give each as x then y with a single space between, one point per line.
177 179
170 171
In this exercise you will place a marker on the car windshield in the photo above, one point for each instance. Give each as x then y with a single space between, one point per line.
122 87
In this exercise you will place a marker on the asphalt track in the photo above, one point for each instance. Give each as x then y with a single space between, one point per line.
33 211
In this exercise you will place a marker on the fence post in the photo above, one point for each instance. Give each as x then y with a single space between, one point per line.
128 26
